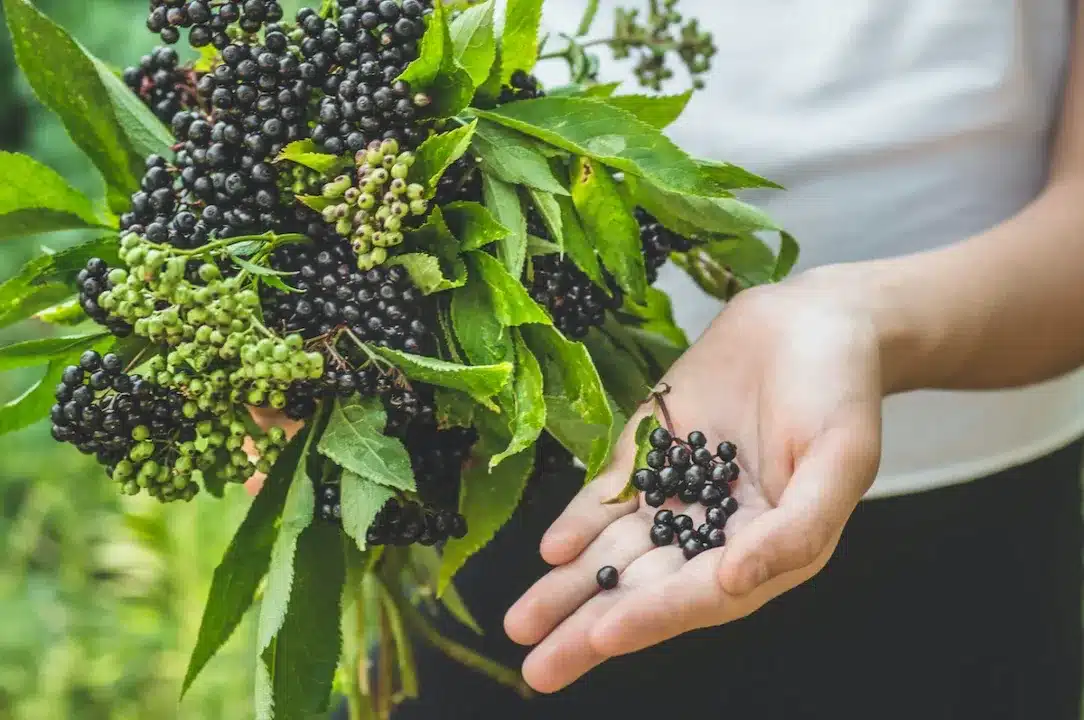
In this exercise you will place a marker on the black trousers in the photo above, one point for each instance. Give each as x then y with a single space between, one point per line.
963 602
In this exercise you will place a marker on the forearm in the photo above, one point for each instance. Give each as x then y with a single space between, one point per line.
1001 309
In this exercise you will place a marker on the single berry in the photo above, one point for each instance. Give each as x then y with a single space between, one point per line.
645 480
698 439
661 439
703 457
669 480
607 577
691 548
656 459
662 535
727 451
711 495
729 505
680 456
717 517
664 517
716 538
682 523
655 498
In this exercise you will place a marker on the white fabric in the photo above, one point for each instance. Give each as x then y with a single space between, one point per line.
896 126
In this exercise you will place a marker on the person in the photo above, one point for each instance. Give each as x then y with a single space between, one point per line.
906 406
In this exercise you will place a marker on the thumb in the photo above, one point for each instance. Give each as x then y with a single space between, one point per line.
803 528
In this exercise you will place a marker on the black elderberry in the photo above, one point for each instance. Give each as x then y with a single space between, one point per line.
661 439
679 456
716 538
727 451
682 522
662 535
717 517
523 87
607 577
93 280
164 87
656 459
702 457
574 302
658 242
664 517
684 536
711 495
669 480
691 548
729 505
655 498
645 480
698 439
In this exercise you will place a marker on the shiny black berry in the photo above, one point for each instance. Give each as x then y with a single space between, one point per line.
717 517
716 538
727 451
661 439
729 505
656 459
607 577
682 523
692 547
655 498
711 495
662 535
698 439
645 480
664 517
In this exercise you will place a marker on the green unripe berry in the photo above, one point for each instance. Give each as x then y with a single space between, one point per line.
124 469
374 158
366 201
399 171
131 488
294 342
209 272
407 158
140 433
277 399
389 162
419 207
263 466
344 226
393 224
389 147
277 436
379 176
205 428
351 196
256 397
415 191
398 186
400 209
155 259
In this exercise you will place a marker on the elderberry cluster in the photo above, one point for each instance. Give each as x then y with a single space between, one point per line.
574 302
461 181
658 243
93 281
373 42
209 21
407 522
523 87
164 86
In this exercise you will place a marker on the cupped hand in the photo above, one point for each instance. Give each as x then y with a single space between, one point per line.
792 374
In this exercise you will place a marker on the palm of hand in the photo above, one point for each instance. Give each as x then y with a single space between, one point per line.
796 384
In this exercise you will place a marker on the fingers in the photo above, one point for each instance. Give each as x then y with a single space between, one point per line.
266 419
568 652
802 530
565 588
588 514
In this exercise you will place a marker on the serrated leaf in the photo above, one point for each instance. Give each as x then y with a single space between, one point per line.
489 90
733 177
509 156
306 154
657 315
258 270
603 90
503 202
786 258
238 575
64 78
610 221
579 246
438 152
512 303
143 132
624 374
474 40
361 500
296 670
33 405
435 238
481 335
436 71
658 111
577 410
473 225
39 352
688 215
297 515
519 40
427 274
644 429
588 18
608 134
487 500
547 207
35 199
529 418
481 382
541 246
355 441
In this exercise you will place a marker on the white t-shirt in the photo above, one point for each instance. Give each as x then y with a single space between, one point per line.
896 126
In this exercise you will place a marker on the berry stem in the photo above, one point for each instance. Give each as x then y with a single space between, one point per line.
658 396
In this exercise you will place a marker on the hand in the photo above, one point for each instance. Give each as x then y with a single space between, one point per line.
267 419
792 374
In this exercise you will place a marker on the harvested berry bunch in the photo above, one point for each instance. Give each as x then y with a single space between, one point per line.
164 87
688 470
658 243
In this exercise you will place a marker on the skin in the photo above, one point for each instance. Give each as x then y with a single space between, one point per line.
801 396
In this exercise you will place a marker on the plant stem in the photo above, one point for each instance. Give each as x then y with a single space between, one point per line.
664 45
657 395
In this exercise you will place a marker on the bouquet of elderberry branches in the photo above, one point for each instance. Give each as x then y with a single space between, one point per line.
371 220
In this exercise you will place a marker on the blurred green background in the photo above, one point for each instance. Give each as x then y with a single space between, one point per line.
100 597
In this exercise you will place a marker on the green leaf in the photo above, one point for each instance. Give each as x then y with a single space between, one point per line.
588 18
608 134
658 111
436 71
435 238
35 199
519 41
608 219
733 177
624 373
511 302
427 274
39 352
355 441
647 426
454 409
481 382
745 258
65 79
787 257
513 158
143 131
361 501
547 207
578 245
258 270
503 202
603 90
473 225
404 653
70 312
319 203
530 405
662 351
438 152
688 215
489 90
296 670
541 246
306 154
475 44
487 500
33 405
426 562
297 516
238 575
481 335
578 412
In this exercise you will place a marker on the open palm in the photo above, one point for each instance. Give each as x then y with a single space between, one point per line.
792 376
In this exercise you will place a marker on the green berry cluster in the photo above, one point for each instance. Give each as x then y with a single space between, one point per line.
374 207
